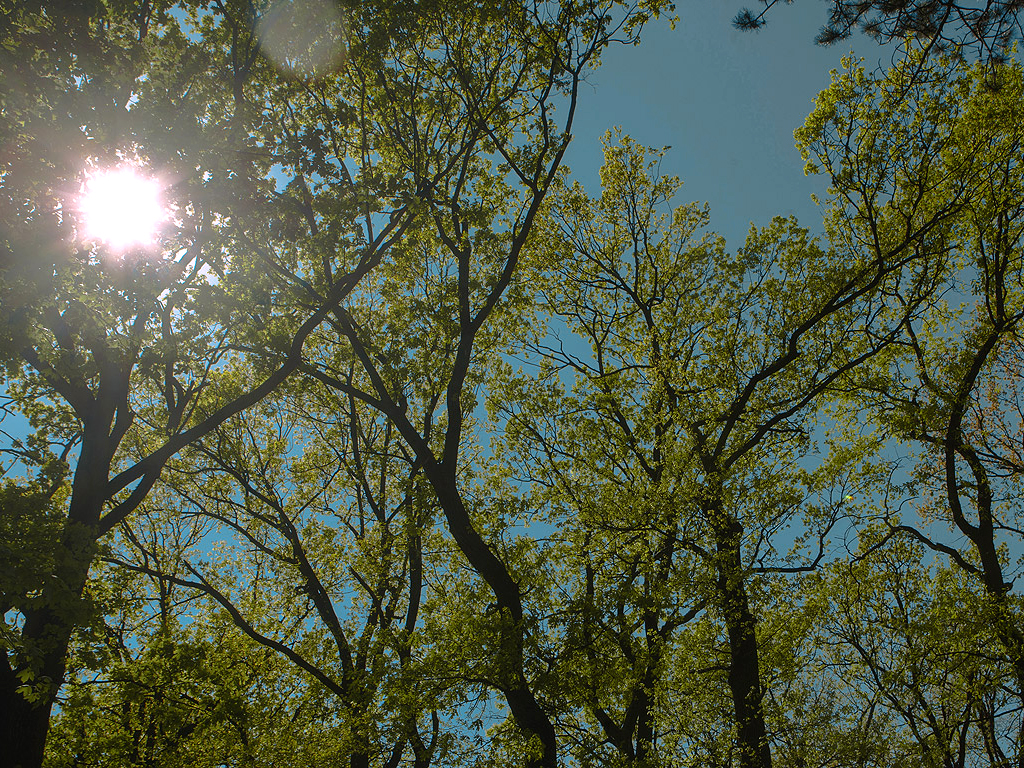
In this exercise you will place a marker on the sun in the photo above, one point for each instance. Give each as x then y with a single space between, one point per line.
122 208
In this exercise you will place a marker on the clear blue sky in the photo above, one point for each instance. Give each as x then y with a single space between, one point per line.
726 101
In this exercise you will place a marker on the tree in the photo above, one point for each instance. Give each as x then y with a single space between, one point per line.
358 249
113 361
947 25
429 102
699 381
949 389
74 331
476 124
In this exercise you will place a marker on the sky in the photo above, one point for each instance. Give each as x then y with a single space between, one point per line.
726 101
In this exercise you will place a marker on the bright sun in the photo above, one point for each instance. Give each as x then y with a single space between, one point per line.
122 208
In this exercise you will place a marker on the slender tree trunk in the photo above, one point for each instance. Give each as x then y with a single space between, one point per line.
645 719
744 662
1007 629
525 709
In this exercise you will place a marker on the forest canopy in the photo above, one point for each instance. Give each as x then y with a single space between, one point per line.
378 440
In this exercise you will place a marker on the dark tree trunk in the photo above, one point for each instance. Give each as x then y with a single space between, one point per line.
744 662
49 625
525 709
24 724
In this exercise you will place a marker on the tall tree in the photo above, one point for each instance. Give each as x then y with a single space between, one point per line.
699 381
114 360
440 115
953 142
474 112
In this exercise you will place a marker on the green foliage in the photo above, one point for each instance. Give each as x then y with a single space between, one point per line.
945 186
261 526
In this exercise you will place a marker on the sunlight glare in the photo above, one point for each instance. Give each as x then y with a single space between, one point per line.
122 208
305 38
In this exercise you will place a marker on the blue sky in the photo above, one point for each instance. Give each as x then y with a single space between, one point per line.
726 101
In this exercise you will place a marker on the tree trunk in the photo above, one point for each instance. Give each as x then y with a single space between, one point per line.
46 634
744 662
525 709
24 724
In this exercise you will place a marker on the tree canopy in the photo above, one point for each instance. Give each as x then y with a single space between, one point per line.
396 446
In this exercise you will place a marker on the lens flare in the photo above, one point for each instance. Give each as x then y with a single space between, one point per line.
305 38
122 208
